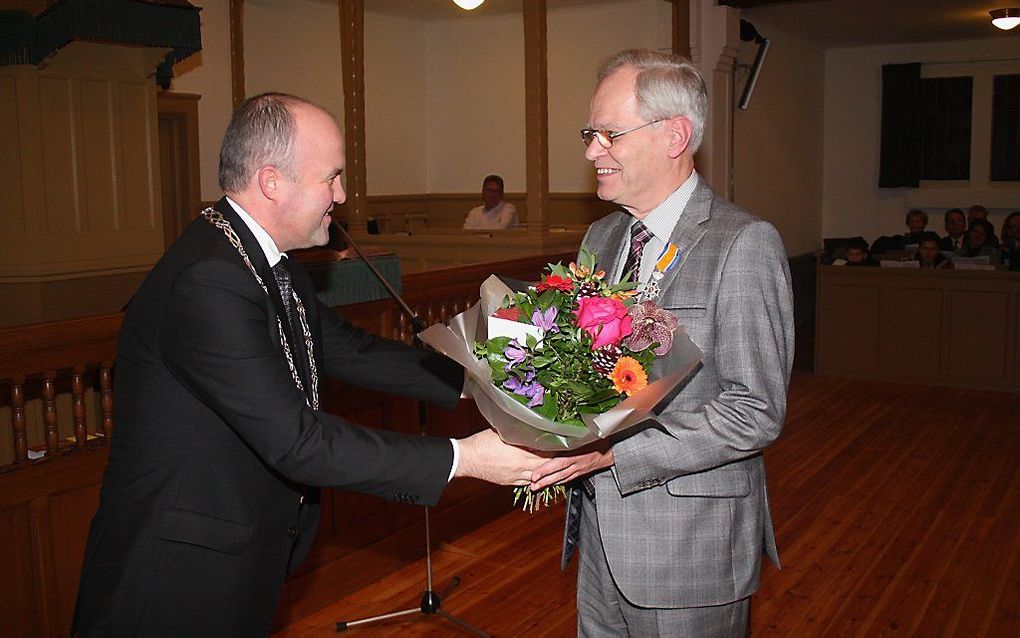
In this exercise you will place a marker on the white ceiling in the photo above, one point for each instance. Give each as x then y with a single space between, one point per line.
827 23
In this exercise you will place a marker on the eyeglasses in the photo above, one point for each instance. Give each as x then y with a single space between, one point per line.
605 137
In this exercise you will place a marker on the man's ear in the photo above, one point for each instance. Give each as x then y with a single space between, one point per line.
680 131
269 182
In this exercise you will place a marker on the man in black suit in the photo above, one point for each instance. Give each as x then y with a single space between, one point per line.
209 499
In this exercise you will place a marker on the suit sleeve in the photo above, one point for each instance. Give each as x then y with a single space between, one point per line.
753 357
356 357
218 339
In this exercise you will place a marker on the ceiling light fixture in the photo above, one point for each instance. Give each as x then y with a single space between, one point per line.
1005 19
468 5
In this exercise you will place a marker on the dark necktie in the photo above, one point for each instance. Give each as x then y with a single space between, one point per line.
572 532
639 236
282 275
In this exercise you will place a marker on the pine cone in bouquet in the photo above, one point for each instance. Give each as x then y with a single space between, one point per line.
604 359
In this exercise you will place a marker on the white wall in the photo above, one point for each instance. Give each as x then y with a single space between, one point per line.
293 46
852 202
778 140
396 114
579 38
475 102
207 73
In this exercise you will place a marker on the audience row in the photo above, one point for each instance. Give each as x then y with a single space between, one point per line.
969 239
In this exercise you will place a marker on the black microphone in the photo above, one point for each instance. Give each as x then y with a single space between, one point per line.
416 324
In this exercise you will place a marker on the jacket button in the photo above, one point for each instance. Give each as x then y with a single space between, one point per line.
291 532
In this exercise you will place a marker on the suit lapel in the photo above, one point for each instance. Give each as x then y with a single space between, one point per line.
258 260
690 229
608 244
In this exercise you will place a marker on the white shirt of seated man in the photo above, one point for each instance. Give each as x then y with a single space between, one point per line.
494 214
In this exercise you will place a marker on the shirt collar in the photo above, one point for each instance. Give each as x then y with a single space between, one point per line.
273 254
664 217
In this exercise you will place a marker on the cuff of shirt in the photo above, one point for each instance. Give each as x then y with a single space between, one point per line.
456 459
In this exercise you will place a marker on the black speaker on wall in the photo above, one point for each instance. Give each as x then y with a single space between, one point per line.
748 33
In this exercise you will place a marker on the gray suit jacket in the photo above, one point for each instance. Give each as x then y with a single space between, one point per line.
684 514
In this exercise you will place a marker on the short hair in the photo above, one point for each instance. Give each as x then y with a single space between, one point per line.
977 208
667 86
985 224
1005 226
261 132
927 235
916 212
951 211
858 244
493 178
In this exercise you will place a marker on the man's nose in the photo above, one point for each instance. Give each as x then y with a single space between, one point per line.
339 195
594 151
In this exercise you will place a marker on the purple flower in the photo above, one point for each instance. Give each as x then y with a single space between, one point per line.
527 387
537 394
547 320
515 353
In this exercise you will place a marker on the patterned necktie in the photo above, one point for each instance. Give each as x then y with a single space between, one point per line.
639 236
572 531
282 275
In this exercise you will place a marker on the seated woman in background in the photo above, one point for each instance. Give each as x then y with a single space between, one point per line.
1011 240
928 255
976 243
917 221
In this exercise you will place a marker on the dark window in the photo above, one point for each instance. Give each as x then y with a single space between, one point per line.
1006 129
945 128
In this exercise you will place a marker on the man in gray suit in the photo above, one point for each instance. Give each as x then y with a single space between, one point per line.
675 517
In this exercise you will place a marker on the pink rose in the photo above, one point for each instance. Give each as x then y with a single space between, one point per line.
605 319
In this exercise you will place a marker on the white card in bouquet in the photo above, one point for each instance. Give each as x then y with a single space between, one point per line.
514 329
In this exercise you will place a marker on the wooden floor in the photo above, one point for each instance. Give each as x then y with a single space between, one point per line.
897 511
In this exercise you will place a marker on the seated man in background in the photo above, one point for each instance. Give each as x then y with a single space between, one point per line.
928 255
956 228
1010 246
494 214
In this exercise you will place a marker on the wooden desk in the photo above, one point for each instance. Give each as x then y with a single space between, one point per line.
955 328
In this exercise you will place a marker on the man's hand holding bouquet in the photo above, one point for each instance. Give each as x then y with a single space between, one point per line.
565 362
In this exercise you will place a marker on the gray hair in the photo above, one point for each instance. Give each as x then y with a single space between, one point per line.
667 86
261 133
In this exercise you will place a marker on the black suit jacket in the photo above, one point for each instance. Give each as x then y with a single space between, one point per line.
206 502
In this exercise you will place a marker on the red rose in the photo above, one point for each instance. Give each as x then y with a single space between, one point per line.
605 319
555 281
510 314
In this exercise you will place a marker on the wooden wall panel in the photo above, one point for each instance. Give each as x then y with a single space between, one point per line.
910 346
849 319
19 608
60 167
100 192
137 144
979 329
958 328
12 219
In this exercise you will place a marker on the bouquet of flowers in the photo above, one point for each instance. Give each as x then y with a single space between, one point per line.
566 361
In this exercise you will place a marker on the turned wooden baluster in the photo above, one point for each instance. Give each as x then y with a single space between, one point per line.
105 426
78 405
18 420
50 410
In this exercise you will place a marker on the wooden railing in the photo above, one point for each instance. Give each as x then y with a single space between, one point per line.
57 400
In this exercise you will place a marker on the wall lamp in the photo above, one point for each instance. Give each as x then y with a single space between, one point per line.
1005 19
468 5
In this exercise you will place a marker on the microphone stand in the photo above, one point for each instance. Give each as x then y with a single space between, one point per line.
431 602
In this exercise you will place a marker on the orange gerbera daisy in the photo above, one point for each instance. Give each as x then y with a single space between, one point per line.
628 376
